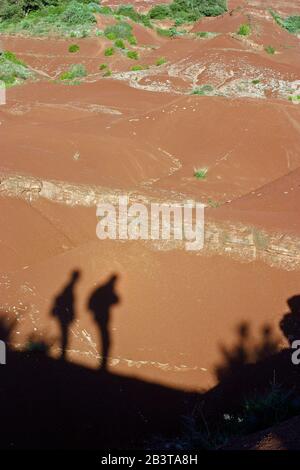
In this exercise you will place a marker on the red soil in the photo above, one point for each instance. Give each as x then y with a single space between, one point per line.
176 307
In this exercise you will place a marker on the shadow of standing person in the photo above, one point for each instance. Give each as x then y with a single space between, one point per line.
63 309
290 323
100 302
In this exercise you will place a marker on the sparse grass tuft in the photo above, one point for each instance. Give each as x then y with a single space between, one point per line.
270 50
200 173
203 90
136 68
160 61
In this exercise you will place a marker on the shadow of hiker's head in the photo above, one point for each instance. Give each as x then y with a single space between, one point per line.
110 290
290 323
75 276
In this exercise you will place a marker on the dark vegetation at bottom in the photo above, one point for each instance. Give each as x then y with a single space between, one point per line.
52 403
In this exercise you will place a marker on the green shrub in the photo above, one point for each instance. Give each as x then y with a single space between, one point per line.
160 61
12 70
75 71
132 55
291 23
72 18
76 14
159 12
129 11
74 48
244 30
120 44
270 50
109 51
255 82
106 10
103 66
121 30
132 40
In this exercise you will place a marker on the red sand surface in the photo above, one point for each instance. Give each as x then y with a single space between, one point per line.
145 133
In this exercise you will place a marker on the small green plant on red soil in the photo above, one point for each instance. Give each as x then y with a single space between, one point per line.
270 50
160 61
137 68
74 48
109 51
256 81
200 173
75 71
12 70
107 73
202 34
244 29
132 40
103 66
203 90
105 10
212 203
132 55
120 43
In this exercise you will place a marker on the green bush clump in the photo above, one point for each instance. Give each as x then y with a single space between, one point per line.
291 23
132 55
120 44
103 66
75 71
109 51
132 40
159 12
40 17
12 70
74 48
244 30
121 30
188 10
